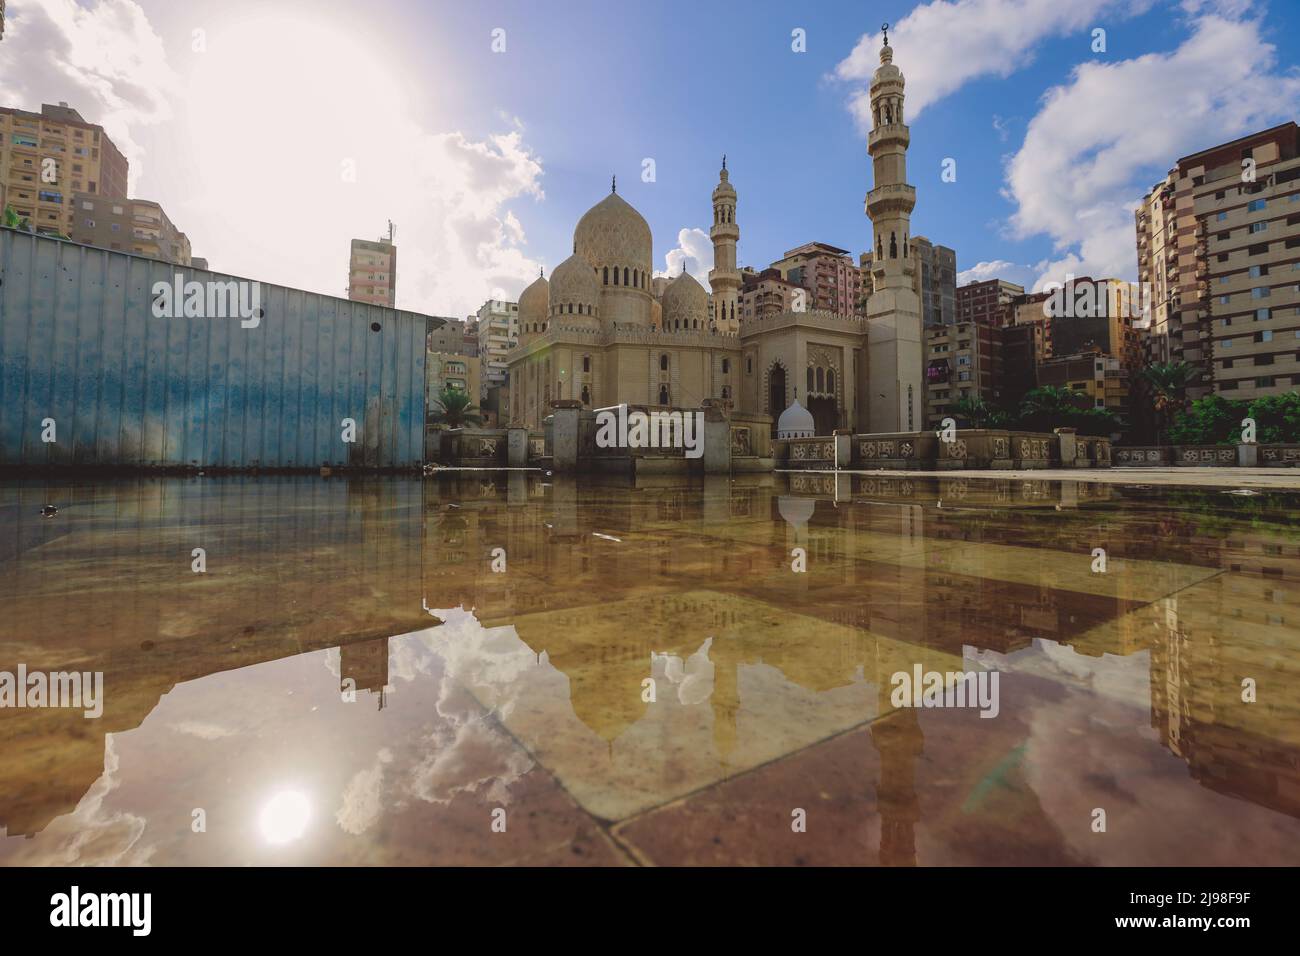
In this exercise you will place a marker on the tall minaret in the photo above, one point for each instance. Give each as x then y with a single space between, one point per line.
896 391
723 277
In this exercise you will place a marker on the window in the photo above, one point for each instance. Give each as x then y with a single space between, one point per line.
726 366
1265 336
1263 360
830 380
1258 249
1224 299
663 394
1257 271
1227 343
663 362
749 364
87 204
586 363
1263 315
1260 292
1255 205
1265 381
810 378
1257 227
1221 216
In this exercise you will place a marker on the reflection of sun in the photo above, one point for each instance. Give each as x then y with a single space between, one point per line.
285 817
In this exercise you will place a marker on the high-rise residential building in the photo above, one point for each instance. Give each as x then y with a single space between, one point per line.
833 282
139 226
936 281
372 271
498 333
988 302
1218 242
1102 379
766 293
48 157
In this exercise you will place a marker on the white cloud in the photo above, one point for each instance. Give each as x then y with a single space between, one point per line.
998 269
248 140
695 248
1095 147
104 60
942 45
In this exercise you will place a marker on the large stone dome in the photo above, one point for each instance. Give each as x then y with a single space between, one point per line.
795 422
685 304
612 233
573 283
533 301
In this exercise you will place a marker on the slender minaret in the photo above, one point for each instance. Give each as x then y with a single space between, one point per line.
723 277
896 395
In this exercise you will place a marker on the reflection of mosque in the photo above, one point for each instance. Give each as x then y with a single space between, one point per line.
603 576
707 554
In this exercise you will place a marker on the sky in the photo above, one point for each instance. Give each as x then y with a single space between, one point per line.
275 132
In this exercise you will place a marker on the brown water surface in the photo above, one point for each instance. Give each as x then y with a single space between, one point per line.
361 677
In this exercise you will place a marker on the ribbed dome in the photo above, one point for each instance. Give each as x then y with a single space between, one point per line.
795 422
612 233
534 300
685 301
574 283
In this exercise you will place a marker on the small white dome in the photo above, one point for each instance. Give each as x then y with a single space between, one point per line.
795 422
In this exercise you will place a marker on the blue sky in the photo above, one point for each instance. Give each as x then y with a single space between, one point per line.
486 159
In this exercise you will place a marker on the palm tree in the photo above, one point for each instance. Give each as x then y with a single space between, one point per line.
1049 406
452 408
974 409
1166 385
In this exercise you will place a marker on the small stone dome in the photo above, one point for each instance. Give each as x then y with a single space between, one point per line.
795 422
612 233
574 283
533 302
685 301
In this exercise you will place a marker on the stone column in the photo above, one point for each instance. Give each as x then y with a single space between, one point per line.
717 439
843 438
517 446
1069 445
1247 455
565 415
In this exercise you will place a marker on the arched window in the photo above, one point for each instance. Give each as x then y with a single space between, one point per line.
605 281
726 366
749 366
893 245
586 395
810 378
570 308
586 363
904 245
830 380
663 394
625 275
663 362
880 248
821 379
616 275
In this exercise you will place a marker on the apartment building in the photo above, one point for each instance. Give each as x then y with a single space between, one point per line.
1219 241
962 361
498 333
936 282
987 302
767 293
139 226
449 370
833 281
1103 379
372 271
48 157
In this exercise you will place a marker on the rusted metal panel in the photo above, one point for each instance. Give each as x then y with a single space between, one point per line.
81 346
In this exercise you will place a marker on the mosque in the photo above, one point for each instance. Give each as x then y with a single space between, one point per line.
603 331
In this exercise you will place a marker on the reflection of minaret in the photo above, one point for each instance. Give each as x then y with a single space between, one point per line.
899 742
366 663
893 310
723 277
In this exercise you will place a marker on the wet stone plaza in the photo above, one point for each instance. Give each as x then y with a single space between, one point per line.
505 668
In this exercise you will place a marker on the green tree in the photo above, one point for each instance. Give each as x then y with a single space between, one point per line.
14 221
973 410
1165 384
1212 420
1048 407
453 408
1277 418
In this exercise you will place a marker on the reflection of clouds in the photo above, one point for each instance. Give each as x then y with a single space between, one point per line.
203 731
692 678
91 835
362 802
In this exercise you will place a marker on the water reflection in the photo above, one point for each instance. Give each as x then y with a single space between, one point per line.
645 643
